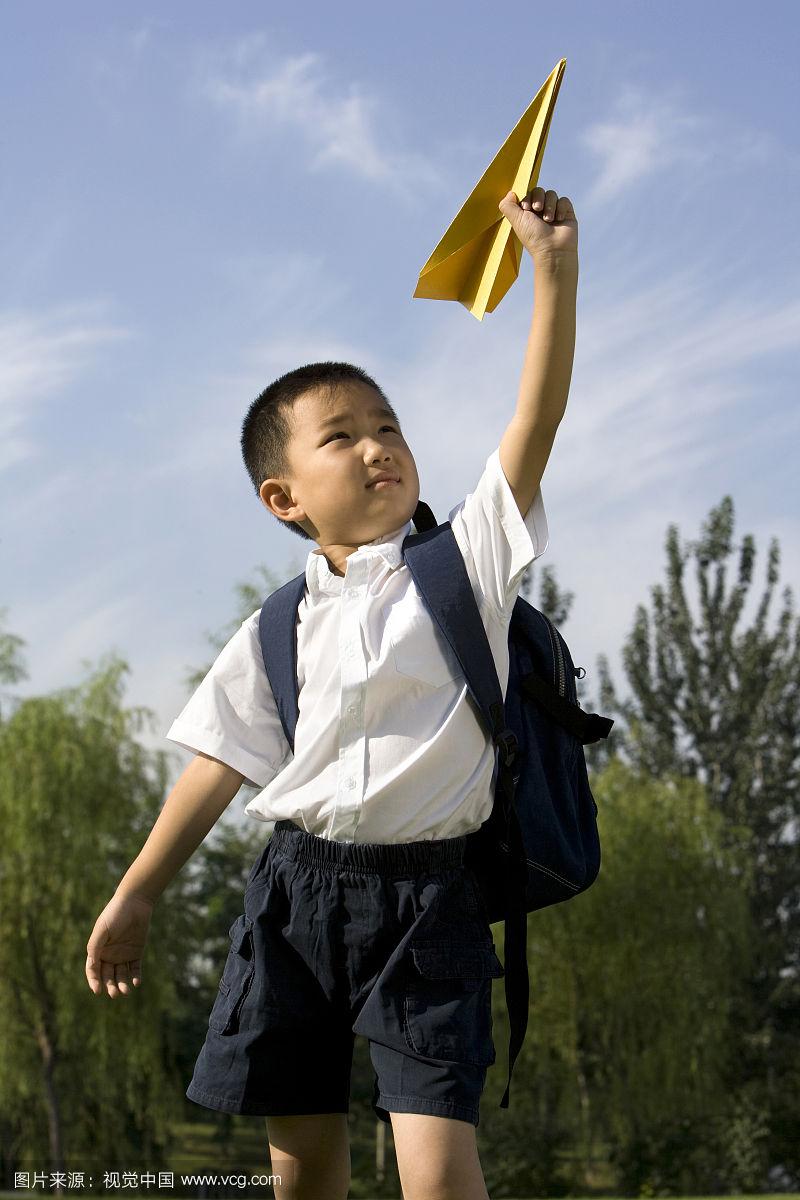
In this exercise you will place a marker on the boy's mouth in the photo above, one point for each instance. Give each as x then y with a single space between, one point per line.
385 480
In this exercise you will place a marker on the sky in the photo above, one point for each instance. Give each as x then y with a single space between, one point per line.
197 198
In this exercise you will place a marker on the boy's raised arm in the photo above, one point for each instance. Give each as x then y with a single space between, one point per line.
546 225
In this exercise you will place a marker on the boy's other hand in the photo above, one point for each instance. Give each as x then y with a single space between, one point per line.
115 949
544 222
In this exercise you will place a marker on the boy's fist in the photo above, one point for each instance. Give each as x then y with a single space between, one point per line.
114 951
544 222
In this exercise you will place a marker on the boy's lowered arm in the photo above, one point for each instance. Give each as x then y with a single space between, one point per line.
196 802
116 944
548 229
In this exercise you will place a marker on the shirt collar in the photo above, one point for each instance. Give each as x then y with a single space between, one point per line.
320 579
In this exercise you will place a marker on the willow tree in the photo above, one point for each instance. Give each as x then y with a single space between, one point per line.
82 1078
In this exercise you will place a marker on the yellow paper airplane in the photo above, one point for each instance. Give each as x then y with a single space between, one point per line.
478 258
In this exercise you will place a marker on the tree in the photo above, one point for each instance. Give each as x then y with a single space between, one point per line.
12 666
720 705
78 795
633 987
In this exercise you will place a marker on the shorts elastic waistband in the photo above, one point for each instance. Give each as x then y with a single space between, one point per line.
385 858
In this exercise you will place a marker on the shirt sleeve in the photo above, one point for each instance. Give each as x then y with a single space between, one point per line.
497 542
232 715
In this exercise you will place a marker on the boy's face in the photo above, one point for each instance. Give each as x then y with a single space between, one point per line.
332 462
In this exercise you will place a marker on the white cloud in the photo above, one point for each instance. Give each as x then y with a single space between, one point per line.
660 372
344 127
40 354
647 135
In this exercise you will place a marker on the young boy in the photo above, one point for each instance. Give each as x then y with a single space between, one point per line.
360 916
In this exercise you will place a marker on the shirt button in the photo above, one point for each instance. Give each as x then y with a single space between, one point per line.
352 710
351 783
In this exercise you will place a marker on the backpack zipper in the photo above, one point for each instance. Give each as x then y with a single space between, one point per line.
557 656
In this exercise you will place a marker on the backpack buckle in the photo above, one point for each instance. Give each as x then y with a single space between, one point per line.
506 743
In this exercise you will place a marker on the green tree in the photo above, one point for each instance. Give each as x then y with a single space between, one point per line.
717 703
81 1076
632 987
667 942
78 795
12 665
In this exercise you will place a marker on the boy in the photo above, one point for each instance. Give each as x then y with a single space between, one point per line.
359 914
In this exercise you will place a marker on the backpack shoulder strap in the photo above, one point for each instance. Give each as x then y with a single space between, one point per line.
437 567
277 624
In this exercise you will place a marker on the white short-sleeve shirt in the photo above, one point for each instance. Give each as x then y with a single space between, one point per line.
389 746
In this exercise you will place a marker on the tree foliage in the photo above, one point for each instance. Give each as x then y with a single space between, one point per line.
78 794
715 702
633 987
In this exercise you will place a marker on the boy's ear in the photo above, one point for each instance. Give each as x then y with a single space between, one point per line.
279 502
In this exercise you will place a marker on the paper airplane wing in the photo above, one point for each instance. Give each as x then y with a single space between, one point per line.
478 258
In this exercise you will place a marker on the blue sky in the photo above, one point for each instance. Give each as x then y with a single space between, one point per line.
199 197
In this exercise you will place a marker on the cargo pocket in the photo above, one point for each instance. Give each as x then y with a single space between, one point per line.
448 1002
237 977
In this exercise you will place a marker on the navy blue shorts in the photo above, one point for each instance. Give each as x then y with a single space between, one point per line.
389 941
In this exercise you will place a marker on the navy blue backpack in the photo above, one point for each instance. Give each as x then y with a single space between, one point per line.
540 843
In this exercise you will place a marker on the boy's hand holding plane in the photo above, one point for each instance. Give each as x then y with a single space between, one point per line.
543 221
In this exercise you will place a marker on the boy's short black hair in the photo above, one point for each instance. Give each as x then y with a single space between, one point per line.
266 433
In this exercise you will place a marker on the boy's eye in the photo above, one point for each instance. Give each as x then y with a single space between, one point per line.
342 432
